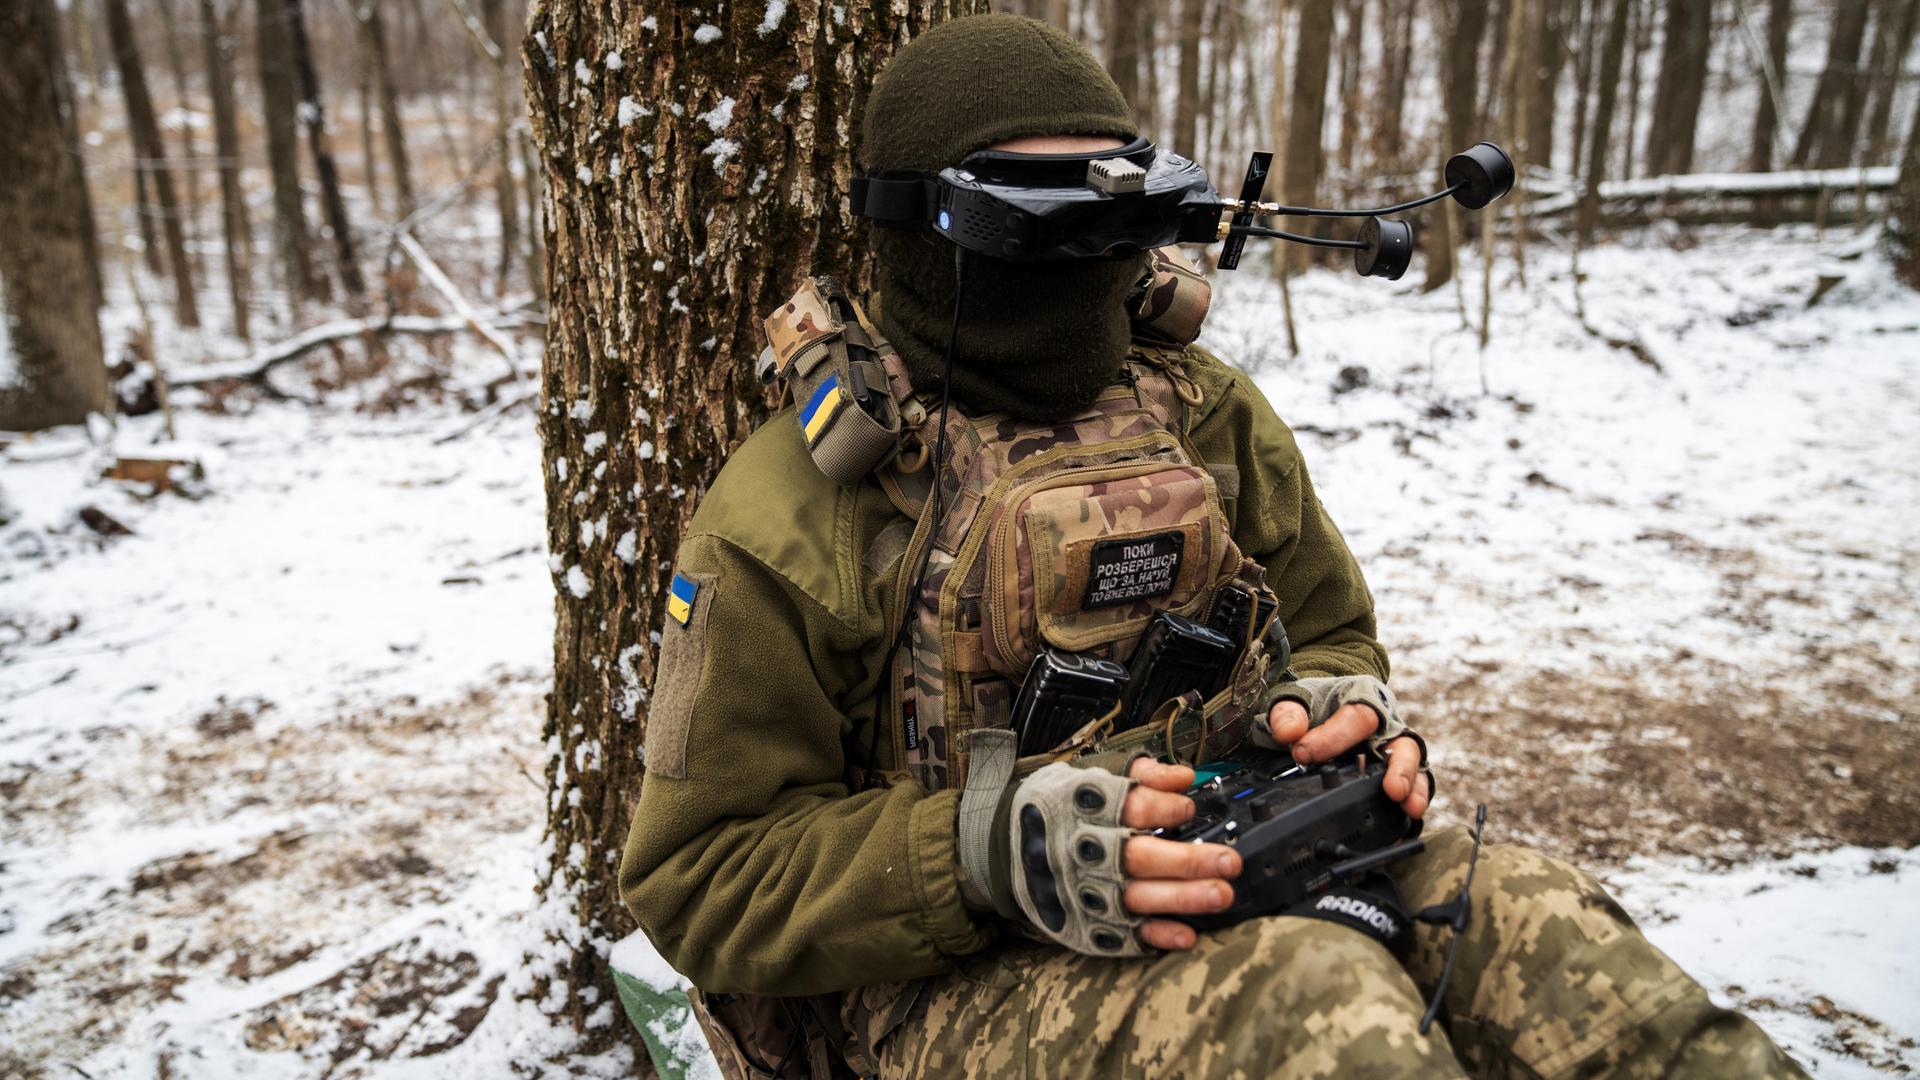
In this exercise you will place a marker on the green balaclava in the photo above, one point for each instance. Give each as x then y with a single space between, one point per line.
1037 339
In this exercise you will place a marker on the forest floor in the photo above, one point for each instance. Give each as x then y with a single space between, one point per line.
269 765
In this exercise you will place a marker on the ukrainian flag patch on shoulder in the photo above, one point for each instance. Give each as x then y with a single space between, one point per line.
680 599
821 408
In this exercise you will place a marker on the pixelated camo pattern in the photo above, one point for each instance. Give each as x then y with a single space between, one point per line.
1553 981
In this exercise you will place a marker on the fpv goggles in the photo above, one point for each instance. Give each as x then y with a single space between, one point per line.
1050 207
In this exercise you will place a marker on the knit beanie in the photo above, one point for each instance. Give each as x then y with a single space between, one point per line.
1036 339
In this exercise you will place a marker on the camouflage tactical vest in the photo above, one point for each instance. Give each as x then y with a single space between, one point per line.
1070 533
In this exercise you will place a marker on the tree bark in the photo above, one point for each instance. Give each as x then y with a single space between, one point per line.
171 19
1459 65
672 232
1900 16
1193 14
1306 120
314 119
373 33
1679 86
1824 142
150 158
493 16
273 52
1608 85
51 365
1397 39
1772 84
1587 22
1903 211
1352 45
1547 31
1123 51
1641 35
217 41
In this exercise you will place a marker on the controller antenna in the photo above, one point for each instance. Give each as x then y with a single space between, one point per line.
1454 913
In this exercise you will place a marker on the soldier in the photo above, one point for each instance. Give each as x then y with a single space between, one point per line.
823 844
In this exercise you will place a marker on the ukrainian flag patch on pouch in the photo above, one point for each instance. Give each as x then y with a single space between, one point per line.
825 403
680 599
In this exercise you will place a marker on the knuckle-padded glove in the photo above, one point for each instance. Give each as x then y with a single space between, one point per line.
1067 865
1322 696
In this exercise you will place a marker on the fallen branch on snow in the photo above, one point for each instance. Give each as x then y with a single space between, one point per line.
256 367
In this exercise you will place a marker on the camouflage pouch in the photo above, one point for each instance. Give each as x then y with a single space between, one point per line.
833 364
1171 302
755 1037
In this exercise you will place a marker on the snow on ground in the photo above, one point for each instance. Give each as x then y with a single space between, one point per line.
269 764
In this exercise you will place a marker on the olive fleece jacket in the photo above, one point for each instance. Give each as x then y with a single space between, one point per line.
751 863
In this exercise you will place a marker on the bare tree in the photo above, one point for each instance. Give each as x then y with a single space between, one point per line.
1903 212
1396 39
1547 35
493 16
273 51
658 279
314 119
373 36
1772 84
49 270
150 157
217 42
1825 141
1607 86
1641 38
1466 25
1679 86
1897 20
1123 50
1193 15
1306 120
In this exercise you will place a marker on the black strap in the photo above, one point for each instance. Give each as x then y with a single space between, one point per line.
898 200
1372 906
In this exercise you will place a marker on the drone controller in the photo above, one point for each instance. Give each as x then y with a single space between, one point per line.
1299 831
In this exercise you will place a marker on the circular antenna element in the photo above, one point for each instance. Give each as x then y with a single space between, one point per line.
1483 172
1387 248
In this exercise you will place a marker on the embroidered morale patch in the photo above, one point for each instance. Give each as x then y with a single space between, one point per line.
680 599
1122 571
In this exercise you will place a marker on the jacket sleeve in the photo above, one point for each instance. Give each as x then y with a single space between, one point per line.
1279 521
749 862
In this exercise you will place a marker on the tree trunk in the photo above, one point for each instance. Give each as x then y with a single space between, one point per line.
1123 51
1679 86
150 157
1459 68
1587 23
1642 37
273 52
373 32
1306 121
1352 45
658 278
1146 18
1397 39
1900 16
1903 211
493 16
1608 84
171 19
51 365
1823 143
314 119
238 237
1772 84
1193 14
1547 31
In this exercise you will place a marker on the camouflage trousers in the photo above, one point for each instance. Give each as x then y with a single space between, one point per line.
1553 980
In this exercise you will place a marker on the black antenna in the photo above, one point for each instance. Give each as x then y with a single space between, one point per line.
1250 190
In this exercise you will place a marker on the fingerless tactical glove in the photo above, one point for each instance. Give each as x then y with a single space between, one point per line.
1051 856
1325 695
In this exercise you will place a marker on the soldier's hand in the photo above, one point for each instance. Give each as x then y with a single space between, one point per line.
1344 730
1166 877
